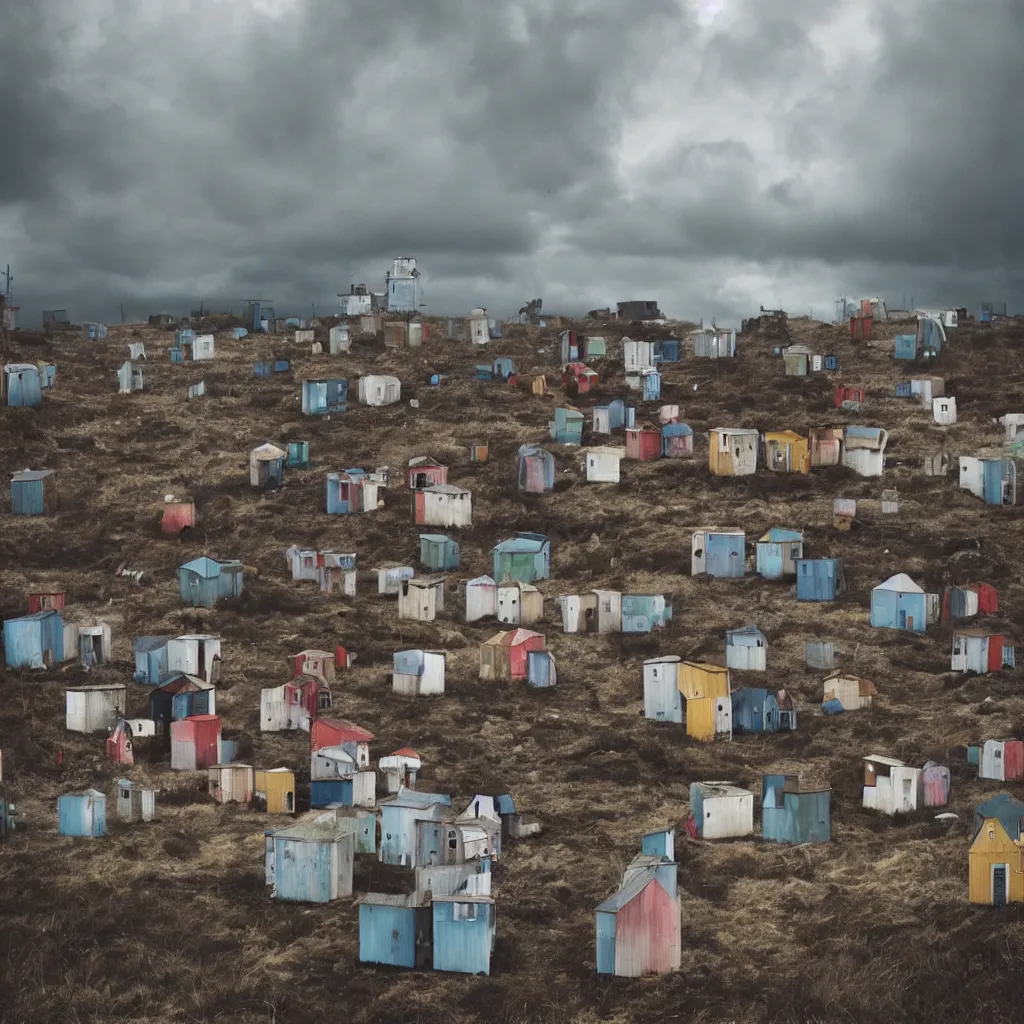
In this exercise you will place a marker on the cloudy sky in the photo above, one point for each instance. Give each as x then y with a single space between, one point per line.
714 155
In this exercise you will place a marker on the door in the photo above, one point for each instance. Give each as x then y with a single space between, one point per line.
999 872
903 619
723 716
570 614
534 476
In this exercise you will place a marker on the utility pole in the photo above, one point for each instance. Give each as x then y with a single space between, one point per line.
9 279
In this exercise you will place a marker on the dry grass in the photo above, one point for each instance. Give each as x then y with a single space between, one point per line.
171 921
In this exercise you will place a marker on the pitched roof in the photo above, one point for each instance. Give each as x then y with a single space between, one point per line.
902 583
1007 810
347 730
637 877
27 475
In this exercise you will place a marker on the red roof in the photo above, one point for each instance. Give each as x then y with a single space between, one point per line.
346 730
406 752
201 718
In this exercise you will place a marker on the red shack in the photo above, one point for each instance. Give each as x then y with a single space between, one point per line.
195 743
643 442
46 601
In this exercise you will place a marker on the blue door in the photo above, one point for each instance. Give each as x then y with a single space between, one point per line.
993 477
998 885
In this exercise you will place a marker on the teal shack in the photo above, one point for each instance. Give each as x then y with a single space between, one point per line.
463 933
567 426
204 581
82 814
393 930
438 552
792 813
298 455
525 557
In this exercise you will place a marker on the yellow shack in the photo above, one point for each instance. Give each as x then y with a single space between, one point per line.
705 689
995 866
785 451
274 791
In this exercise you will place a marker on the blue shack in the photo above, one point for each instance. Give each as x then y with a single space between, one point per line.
180 697
34 492
930 336
540 669
719 553
899 603
819 579
309 862
22 386
777 553
567 426
525 557
239 333
438 551
793 814
47 376
676 440
184 338
94 331
204 581
394 930
757 710
642 613
665 351
151 659
398 824
648 382
177 355
324 396
298 454
904 346
34 641
82 814
503 367
463 933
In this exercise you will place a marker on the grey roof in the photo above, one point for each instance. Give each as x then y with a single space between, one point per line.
387 899
32 474
631 887
310 832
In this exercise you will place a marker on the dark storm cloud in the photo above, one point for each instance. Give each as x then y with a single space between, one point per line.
158 154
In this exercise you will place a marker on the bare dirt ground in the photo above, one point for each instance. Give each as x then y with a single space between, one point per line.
172 922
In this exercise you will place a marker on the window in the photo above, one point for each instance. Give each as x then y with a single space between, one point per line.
991 833
464 911
723 443
453 841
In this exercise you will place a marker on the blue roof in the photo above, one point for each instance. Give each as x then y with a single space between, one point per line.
778 534
205 567
436 538
1007 810
871 433
34 617
416 798
506 805
677 429
528 542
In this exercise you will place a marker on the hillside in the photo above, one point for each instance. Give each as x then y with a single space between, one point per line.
172 921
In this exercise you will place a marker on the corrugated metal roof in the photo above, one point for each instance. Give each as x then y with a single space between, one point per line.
311 832
32 474
628 891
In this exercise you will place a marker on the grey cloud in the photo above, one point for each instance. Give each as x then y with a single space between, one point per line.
157 156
